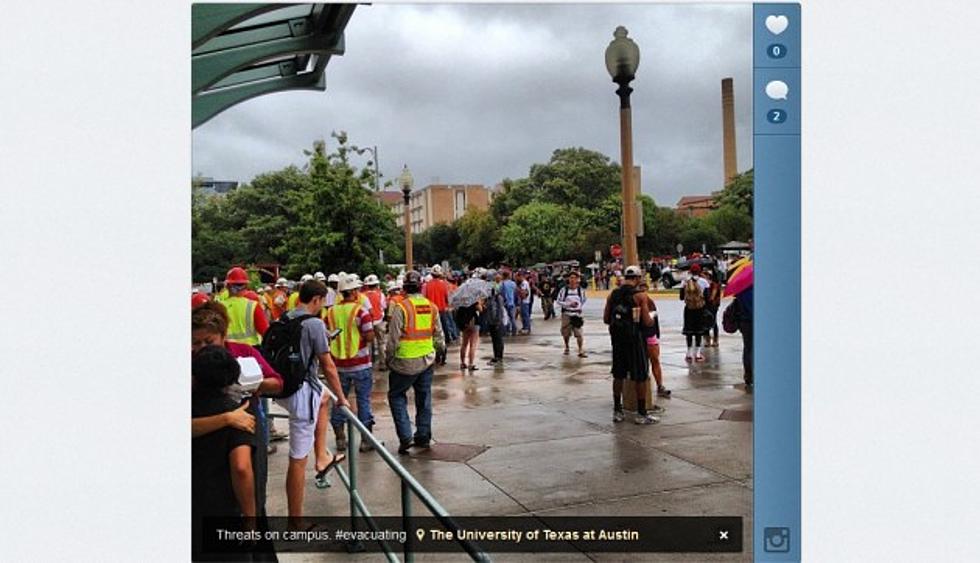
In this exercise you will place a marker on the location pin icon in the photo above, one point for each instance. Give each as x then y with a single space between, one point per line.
420 533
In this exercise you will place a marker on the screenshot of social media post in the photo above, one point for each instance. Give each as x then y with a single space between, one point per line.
495 281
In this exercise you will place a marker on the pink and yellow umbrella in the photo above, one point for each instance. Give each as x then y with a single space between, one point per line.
740 280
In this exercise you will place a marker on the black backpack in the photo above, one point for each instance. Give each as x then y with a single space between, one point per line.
281 348
621 315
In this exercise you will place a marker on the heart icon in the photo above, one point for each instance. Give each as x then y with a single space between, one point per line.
777 24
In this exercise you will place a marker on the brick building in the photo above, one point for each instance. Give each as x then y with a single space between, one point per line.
439 203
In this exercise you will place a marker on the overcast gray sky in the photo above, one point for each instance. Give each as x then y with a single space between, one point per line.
478 93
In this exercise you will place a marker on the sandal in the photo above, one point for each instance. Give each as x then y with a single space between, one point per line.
337 458
473 367
463 367
583 355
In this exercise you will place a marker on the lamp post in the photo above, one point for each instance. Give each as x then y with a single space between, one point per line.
374 157
406 181
622 59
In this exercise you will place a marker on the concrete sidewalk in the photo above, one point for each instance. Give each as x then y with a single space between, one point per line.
537 437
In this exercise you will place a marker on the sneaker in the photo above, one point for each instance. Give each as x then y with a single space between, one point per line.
688 358
618 416
271 449
663 392
699 358
566 352
277 436
404 446
657 409
365 446
646 419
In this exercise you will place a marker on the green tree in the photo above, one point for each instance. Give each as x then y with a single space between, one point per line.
699 232
340 226
731 223
739 192
541 231
576 177
514 194
478 233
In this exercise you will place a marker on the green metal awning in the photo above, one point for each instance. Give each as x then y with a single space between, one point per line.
240 51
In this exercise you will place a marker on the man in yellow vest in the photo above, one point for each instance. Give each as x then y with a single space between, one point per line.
293 300
351 351
246 320
414 337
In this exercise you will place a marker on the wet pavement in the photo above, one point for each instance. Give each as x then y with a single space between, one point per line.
536 436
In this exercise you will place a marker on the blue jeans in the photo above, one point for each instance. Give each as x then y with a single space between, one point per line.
362 380
526 316
449 330
512 327
398 385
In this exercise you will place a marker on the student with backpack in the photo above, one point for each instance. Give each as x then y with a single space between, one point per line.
571 299
298 348
626 313
694 295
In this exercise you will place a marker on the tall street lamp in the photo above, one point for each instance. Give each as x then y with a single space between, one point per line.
374 157
406 181
622 59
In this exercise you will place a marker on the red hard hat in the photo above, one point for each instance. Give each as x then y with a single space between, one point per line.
236 275
198 299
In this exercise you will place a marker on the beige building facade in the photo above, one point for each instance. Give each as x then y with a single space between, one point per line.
441 203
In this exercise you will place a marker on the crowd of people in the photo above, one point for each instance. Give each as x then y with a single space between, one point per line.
333 332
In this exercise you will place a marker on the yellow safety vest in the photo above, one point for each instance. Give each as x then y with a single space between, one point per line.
241 321
416 340
344 317
292 301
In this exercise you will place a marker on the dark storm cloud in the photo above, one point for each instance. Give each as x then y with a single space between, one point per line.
478 93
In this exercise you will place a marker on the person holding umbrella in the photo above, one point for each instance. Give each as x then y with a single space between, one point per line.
740 285
467 300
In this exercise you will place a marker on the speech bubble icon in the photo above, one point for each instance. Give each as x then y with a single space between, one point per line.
777 90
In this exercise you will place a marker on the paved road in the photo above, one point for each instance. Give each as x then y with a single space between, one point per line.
537 436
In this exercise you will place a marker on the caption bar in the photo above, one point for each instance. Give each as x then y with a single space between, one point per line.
489 534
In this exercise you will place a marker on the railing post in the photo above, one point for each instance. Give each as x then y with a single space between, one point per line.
407 522
352 478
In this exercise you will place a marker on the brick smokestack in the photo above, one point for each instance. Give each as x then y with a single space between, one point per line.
728 128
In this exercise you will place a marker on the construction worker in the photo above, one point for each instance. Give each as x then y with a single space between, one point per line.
332 282
294 297
277 298
351 352
414 337
378 305
246 321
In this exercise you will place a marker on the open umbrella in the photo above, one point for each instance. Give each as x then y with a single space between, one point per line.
735 266
740 280
471 291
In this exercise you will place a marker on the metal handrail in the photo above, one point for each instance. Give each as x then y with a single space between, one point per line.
409 486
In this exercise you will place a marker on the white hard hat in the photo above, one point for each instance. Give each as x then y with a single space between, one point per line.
437 270
319 276
333 278
633 271
282 282
348 283
371 280
394 285
306 278
195 290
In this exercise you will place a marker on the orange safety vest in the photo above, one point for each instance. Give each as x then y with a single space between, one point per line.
374 296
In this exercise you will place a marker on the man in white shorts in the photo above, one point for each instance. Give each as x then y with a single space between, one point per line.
309 407
571 298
